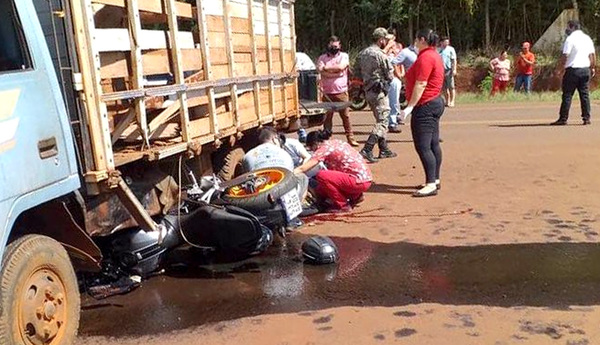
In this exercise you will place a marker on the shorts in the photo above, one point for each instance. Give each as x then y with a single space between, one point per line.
448 80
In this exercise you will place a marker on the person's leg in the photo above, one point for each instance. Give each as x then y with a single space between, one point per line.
337 187
394 100
504 86
328 124
528 81
422 127
381 110
583 88
345 115
495 87
452 94
437 109
569 84
446 87
518 82
302 186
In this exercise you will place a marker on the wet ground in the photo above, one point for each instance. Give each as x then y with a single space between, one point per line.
507 253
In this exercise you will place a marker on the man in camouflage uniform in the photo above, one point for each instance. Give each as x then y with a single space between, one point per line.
376 71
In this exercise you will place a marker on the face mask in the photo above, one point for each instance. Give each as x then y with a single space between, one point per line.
568 32
333 50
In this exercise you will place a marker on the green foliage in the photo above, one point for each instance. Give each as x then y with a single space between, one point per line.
470 97
511 22
486 84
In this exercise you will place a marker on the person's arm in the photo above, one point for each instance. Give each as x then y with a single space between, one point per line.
340 67
391 44
593 64
325 71
562 62
402 71
454 63
417 94
306 166
399 71
493 65
527 61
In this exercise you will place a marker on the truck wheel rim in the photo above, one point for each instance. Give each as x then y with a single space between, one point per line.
264 180
42 308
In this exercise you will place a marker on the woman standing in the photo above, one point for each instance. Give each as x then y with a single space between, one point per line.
424 81
501 68
347 176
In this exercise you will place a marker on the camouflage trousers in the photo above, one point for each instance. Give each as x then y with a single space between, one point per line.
380 106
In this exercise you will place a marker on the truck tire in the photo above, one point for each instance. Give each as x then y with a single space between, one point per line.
228 164
39 295
272 184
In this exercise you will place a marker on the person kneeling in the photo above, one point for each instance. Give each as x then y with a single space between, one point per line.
347 177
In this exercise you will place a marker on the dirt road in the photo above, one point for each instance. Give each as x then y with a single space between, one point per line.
507 253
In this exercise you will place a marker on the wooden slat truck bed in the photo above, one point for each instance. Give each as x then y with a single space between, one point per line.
162 77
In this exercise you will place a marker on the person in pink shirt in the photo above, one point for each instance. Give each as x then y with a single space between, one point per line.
347 175
501 68
333 68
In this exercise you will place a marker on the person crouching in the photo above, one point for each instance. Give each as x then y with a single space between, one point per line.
347 176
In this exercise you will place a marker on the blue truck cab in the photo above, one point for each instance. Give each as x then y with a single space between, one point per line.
38 165
92 146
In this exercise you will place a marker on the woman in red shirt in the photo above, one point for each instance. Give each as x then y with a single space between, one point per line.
347 176
424 81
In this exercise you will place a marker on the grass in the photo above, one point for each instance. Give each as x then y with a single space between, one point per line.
512 97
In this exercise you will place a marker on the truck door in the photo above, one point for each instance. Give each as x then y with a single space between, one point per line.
36 146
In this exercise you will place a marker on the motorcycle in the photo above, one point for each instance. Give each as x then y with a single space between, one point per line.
358 98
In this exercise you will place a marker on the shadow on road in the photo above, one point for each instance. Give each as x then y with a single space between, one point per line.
392 189
515 125
553 275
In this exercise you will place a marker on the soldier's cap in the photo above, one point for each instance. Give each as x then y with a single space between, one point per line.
380 33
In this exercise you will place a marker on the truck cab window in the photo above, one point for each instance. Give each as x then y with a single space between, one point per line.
14 54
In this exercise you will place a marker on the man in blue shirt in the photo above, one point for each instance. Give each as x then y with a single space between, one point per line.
450 63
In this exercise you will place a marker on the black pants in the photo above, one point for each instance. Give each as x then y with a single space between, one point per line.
425 127
575 79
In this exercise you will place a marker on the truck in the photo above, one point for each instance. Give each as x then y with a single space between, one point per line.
101 102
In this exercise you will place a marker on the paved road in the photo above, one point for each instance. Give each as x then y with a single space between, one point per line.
508 253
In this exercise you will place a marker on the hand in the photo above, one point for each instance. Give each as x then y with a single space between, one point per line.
454 73
593 70
407 111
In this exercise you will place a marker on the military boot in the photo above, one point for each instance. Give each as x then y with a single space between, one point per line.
367 151
384 150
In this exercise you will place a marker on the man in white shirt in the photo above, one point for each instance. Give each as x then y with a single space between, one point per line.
270 154
579 59
450 64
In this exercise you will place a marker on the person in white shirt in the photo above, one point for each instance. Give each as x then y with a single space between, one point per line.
579 59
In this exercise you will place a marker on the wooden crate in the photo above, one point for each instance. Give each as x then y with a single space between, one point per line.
162 76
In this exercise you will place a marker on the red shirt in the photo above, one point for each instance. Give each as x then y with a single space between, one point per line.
339 156
524 67
430 68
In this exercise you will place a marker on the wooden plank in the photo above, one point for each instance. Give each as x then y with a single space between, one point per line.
178 68
217 24
205 47
115 64
83 21
256 84
123 125
293 56
269 58
113 40
154 6
230 57
137 80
